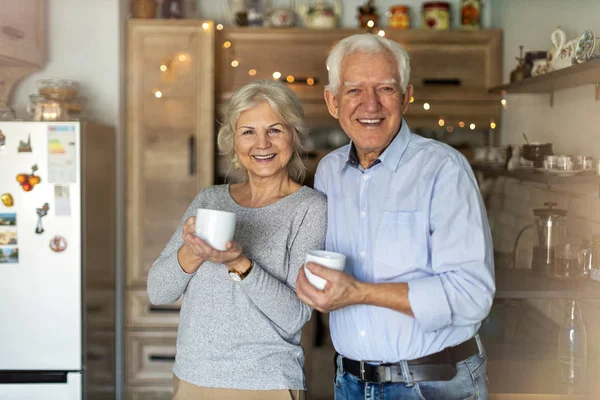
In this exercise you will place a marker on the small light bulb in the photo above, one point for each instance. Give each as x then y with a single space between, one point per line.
450 129
205 25
227 44
461 124
370 24
235 63
472 126
426 106
493 125
163 68
381 33
158 94
290 79
219 27
276 75
182 57
441 122
503 101
252 72
310 81
412 99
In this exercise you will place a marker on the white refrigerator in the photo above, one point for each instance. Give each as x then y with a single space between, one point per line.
42 274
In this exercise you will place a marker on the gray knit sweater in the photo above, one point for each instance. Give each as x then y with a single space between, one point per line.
244 335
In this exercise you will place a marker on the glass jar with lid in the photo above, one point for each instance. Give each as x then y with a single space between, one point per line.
436 15
399 17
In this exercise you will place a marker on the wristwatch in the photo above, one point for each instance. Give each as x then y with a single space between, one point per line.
240 276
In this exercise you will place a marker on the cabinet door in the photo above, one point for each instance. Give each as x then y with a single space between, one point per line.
170 131
22 31
150 357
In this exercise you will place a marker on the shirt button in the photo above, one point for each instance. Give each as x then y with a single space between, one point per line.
367 177
362 214
362 254
362 333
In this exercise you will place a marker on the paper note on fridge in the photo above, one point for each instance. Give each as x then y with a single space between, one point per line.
62 155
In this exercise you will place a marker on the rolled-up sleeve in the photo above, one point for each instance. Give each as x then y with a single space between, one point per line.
461 288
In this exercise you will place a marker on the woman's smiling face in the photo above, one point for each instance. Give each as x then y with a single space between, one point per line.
263 144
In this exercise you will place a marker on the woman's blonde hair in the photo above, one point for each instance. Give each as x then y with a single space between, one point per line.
283 102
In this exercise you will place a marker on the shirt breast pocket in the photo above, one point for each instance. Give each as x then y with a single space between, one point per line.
401 245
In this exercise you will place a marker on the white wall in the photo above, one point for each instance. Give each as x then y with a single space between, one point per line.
83 44
212 9
571 124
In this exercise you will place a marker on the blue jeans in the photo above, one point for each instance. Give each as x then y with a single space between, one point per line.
469 383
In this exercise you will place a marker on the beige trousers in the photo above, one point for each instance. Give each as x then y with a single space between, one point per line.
187 391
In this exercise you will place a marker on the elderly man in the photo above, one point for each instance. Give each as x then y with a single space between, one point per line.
407 213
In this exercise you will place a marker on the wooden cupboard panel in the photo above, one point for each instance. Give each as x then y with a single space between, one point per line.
100 357
143 314
171 137
164 392
23 32
150 357
100 308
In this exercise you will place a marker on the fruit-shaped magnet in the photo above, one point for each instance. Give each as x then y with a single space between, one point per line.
7 200
28 181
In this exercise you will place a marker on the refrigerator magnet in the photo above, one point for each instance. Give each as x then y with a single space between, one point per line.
7 200
41 212
58 244
62 201
25 147
2 142
28 181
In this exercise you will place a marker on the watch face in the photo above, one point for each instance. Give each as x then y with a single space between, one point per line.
235 276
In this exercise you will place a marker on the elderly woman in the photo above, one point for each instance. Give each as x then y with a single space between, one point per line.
240 338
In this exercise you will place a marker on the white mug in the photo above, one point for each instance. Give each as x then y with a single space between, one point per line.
328 259
215 227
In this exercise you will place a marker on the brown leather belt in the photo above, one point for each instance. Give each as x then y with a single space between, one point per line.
440 366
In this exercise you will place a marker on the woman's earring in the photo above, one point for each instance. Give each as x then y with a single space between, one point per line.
234 161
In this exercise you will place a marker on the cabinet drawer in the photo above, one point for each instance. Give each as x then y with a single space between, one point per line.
143 314
100 354
100 308
150 392
22 31
150 357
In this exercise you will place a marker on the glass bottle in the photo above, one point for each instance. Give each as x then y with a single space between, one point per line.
572 345
595 269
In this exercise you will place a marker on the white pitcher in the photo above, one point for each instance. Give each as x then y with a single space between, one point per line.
562 52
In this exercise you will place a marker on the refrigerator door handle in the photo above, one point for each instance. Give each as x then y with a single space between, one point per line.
192 145
33 377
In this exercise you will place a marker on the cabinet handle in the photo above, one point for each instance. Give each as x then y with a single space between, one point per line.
442 82
165 309
192 145
161 357
13 33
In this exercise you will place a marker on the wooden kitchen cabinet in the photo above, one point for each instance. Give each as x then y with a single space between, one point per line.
22 41
451 70
170 140
170 132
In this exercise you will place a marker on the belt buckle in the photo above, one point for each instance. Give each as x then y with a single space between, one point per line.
362 367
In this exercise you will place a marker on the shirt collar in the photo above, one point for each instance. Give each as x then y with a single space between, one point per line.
390 157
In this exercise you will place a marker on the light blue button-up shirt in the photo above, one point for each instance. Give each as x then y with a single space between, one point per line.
414 216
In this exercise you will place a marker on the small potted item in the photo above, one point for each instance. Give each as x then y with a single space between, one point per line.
522 71
367 15
320 15
144 8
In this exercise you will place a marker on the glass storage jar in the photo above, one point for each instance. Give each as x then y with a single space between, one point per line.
436 15
399 17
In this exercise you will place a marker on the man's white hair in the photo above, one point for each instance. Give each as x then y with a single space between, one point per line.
366 43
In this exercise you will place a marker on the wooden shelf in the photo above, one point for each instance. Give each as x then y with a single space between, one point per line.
524 284
575 75
530 175
537 379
